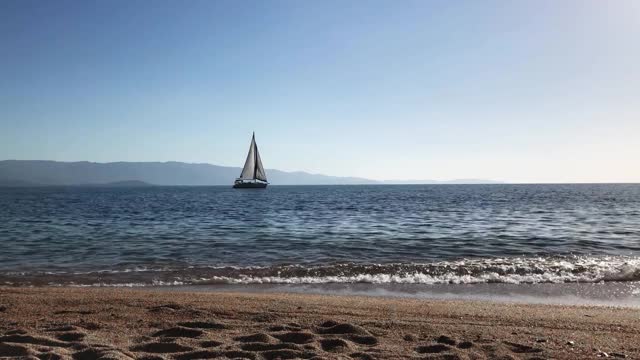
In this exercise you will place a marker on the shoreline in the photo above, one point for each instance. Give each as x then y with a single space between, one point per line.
625 294
112 323
610 294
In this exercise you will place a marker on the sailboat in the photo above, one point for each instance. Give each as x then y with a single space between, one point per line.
253 175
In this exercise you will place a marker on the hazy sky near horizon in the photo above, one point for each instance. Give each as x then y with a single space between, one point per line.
518 91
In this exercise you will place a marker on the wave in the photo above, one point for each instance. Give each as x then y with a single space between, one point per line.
517 270
512 271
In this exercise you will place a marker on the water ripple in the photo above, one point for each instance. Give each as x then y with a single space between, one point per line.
85 229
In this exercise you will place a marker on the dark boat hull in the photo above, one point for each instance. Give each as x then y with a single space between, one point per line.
250 185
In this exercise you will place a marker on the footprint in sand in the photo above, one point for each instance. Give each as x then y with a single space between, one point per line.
203 325
522 349
71 336
62 328
341 329
210 343
334 345
150 357
35 340
208 354
285 354
79 312
279 346
410 337
95 353
295 337
328 323
198 354
351 332
362 356
432 349
276 328
178 331
161 347
16 332
444 339
294 327
51 356
259 337
268 347
236 354
363 339
7 350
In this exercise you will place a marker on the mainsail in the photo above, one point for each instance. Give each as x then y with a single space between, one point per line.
253 165
260 174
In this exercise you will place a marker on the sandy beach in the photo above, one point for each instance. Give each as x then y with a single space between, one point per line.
95 323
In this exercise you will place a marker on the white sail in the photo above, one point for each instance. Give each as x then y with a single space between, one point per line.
253 168
260 174
249 169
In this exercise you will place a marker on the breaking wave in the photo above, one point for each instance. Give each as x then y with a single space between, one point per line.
516 270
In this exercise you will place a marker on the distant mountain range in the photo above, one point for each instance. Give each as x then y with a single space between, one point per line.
455 181
44 172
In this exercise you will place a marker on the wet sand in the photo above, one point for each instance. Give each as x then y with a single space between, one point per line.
95 323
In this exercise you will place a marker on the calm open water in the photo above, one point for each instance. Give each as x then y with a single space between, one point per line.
404 234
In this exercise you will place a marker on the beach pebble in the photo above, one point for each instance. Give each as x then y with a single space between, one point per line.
603 354
570 343
432 349
619 355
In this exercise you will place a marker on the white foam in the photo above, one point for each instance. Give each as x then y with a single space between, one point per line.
517 270
131 285
510 271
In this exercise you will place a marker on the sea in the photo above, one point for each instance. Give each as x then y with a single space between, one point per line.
548 243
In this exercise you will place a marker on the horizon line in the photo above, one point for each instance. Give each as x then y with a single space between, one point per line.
477 181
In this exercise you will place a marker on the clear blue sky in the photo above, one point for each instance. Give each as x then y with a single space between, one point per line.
521 91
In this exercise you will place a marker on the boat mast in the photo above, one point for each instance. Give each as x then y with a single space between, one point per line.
255 155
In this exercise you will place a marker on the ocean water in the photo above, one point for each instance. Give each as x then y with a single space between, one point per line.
425 236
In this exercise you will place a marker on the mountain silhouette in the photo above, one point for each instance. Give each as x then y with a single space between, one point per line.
45 172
